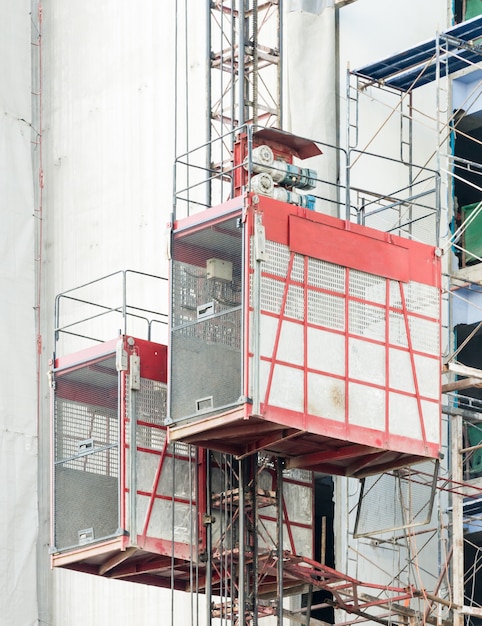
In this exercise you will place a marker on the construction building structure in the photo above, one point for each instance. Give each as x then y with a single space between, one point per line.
308 447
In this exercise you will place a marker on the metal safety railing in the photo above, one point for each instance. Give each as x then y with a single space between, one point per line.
124 302
410 209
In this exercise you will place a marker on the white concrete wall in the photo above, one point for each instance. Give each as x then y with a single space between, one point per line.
108 159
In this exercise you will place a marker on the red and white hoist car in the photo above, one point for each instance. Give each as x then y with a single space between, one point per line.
128 505
298 333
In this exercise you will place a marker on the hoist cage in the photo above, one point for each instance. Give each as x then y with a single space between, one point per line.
312 338
116 512
142 517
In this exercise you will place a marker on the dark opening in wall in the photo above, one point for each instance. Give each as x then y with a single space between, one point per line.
467 183
471 398
324 544
466 10
473 575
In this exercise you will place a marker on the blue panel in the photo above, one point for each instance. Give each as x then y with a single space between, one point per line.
471 29
417 66
416 78
398 62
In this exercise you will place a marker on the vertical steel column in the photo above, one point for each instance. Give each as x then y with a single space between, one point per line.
279 502
209 105
254 103
132 463
241 63
438 122
457 521
280 64
209 539
132 390
348 146
242 546
254 537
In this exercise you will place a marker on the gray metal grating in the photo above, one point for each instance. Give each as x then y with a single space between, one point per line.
399 499
86 473
207 320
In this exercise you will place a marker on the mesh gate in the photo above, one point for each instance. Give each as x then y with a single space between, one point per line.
86 471
206 374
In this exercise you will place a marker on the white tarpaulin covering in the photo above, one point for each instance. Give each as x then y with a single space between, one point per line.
309 106
18 414
108 119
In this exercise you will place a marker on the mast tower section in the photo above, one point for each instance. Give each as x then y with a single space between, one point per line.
245 71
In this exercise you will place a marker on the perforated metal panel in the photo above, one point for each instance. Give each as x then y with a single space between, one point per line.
298 521
206 314
382 336
399 499
86 476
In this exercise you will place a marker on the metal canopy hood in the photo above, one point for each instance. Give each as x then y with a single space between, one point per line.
417 66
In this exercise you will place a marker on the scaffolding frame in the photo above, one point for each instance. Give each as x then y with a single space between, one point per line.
455 52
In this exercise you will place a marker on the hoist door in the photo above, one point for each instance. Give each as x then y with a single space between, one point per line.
86 451
206 318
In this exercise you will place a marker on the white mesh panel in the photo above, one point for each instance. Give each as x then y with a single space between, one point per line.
425 335
367 287
277 262
298 269
271 295
278 257
366 320
419 298
295 303
326 275
397 330
326 310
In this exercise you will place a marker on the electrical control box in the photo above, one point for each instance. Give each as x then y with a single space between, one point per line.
217 269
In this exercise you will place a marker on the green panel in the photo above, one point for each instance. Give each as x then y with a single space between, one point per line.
472 8
474 433
473 234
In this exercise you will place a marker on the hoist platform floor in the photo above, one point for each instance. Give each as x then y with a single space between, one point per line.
111 559
239 433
